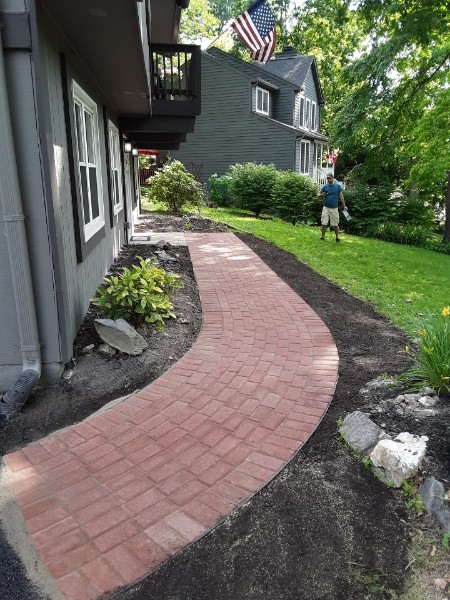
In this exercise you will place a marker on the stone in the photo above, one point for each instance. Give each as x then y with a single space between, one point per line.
164 257
424 412
411 398
379 383
427 391
88 349
435 503
428 401
120 335
400 458
162 244
360 432
106 350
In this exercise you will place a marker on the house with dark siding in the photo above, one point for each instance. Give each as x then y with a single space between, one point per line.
83 86
263 113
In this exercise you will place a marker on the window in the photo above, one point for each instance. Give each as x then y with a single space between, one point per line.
304 157
262 101
313 116
302 112
308 114
115 168
87 161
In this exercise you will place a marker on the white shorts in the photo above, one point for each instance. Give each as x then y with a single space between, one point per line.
330 215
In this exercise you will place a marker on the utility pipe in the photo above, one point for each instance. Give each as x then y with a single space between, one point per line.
14 227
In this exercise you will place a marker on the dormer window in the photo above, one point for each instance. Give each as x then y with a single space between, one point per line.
262 101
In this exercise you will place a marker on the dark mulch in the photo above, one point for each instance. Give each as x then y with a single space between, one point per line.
325 528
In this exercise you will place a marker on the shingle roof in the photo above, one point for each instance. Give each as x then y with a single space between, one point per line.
289 65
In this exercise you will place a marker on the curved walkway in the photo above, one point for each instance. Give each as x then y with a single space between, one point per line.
107 500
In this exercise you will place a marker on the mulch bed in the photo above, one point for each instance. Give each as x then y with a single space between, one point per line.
325 527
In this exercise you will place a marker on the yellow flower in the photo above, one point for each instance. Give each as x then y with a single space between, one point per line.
407 349
446 311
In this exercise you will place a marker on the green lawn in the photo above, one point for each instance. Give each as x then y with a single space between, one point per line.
401 282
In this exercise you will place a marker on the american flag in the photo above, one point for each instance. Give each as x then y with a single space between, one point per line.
256 28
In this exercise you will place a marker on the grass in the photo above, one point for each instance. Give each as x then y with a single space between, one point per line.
401 282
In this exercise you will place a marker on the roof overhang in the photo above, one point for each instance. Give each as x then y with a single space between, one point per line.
110 37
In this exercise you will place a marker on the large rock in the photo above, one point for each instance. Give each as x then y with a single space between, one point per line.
435 503
400 458
361 433
120 335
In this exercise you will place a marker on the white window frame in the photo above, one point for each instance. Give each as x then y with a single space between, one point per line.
305 157
313 115
263 94
301 112
89 160
115 167
308 114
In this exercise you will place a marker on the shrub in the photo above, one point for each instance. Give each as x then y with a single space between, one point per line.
294 197
413 211
431 354
252 186
411 235
140 294
219 190
369 207
175 187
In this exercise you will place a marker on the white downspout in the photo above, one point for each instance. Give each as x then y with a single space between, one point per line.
14 228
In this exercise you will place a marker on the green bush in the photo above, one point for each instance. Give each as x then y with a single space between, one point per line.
412 211
294 197
139 294
175 187
252 185
410 235
368 207
431 354
219 190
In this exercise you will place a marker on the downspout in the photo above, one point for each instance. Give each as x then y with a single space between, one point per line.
14 227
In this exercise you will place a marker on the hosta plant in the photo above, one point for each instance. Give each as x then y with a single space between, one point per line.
140 294
431 353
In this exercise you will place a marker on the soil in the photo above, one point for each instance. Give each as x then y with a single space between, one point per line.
325 527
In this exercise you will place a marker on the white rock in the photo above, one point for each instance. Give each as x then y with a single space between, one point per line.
119 334
88 349
427 401
399 459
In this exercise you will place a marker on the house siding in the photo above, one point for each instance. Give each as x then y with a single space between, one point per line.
242 137
80 278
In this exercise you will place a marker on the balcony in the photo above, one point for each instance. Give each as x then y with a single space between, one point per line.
176 80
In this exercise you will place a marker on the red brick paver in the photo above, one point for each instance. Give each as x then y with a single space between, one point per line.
109 499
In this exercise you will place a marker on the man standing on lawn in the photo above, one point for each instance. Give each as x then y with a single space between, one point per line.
331 193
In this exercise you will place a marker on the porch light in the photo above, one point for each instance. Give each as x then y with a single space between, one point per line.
134 152
127 147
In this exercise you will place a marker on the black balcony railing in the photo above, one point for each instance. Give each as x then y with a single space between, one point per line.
176 83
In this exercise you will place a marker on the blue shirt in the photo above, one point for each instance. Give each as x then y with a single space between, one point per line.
331 200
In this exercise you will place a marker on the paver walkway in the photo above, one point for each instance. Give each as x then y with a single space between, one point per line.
109 499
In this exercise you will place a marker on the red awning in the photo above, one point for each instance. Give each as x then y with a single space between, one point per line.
152 152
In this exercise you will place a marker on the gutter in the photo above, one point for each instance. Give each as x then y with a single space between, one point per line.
14 228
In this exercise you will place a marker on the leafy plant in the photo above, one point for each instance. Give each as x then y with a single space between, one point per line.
175 187
219 190
294 197
446 540
252 186
411 235
140 294
431 354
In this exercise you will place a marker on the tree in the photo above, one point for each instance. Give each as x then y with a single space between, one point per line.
403 66
198 23
429 151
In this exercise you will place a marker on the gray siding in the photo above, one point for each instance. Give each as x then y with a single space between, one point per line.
81 279
227 132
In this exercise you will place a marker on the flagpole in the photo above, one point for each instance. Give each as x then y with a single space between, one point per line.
224 31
